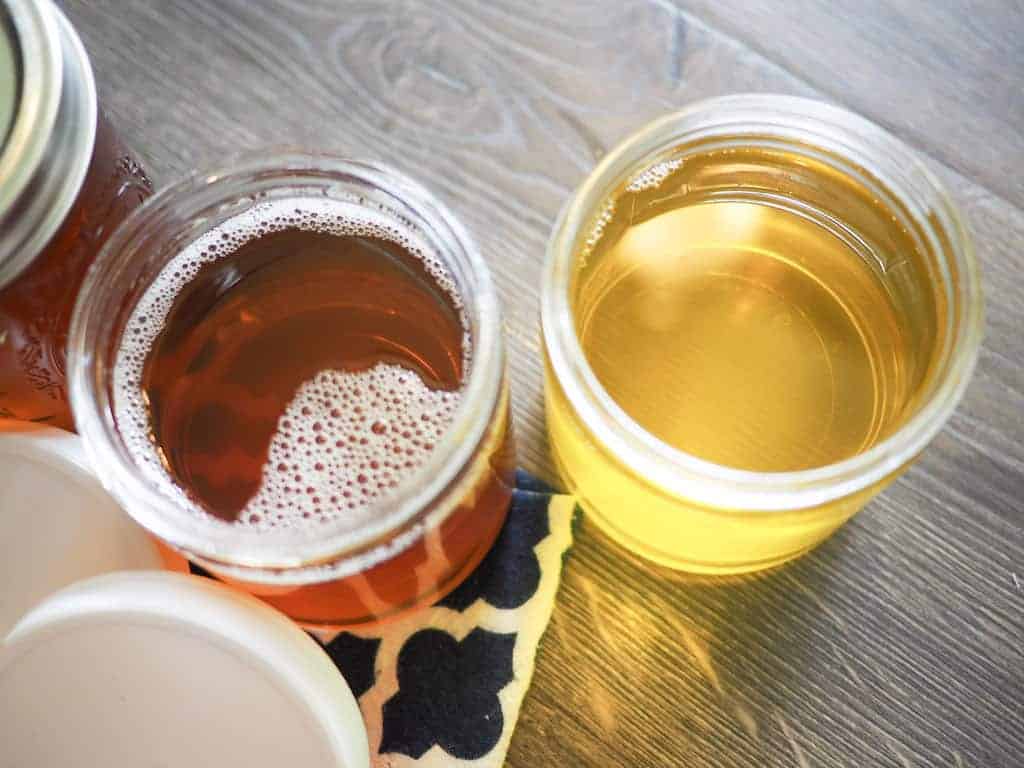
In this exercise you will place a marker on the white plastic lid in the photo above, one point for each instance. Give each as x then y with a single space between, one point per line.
57 524
133 669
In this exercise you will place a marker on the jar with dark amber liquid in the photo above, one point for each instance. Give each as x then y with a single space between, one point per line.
328 311
66 182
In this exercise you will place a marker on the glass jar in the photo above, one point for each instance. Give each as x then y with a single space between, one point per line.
425 537
66 181
844 174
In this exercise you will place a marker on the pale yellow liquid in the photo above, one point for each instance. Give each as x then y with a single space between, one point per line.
745 335
748 328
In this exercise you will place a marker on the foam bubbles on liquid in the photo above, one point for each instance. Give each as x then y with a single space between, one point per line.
654 175
344 442
651 178
597 228
322 215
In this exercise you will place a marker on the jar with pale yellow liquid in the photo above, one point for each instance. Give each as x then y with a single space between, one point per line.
756 312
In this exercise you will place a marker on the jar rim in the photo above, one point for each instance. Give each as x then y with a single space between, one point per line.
689 476
10 73
36 44
420 502
49 146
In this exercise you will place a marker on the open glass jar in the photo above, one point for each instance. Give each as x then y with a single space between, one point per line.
757 312
253 252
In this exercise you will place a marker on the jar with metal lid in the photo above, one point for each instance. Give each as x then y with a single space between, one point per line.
66 182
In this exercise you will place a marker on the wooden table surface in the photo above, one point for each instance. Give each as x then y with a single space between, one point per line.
900 642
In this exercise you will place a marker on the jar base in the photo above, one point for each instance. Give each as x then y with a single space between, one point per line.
674 561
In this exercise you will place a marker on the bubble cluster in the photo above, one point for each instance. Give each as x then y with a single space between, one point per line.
597 228
648 179
654 175
357 218
345 441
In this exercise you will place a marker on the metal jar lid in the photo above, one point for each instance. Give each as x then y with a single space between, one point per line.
9 85
48 103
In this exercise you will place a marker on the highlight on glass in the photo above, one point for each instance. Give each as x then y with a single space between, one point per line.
291 371
756 313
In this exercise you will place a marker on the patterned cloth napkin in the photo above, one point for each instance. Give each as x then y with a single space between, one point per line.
443 686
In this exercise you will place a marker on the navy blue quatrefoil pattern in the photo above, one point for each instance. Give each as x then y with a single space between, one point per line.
448 694
355 657
443 687
509 574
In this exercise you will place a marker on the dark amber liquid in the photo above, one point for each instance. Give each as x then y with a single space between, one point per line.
249 330
35 310
256 324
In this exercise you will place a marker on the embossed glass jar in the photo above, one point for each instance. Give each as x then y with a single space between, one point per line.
66 182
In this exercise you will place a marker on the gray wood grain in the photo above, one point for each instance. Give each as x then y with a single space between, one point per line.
948 76
900 642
